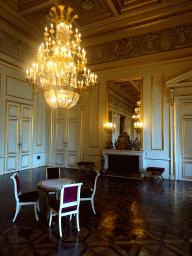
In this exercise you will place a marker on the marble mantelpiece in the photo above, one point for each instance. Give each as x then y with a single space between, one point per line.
140 154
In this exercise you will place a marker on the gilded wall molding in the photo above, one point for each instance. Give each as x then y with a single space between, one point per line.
156 42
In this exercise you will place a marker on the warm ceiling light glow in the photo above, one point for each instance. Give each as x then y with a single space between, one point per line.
60 71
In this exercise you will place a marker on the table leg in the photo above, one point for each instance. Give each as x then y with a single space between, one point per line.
46 198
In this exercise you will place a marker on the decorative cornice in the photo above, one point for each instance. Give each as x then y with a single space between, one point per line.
144 62
142 23
171 39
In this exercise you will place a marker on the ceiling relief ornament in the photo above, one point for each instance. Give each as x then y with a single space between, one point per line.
14 47
156 42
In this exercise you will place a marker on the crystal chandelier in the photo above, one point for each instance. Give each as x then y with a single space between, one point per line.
60 71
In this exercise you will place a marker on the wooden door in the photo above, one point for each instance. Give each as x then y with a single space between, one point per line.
25 137
18 137
183 135
67 137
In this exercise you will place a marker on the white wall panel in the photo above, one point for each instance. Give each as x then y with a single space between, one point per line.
12 134
1 165
187 109
18 88
11 163
187 138
94 118
59 135
39 121
71 160
157 128
25 137
25 161
187 170
59 158
72 136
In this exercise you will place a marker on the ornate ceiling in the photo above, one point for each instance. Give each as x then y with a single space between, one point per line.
106 17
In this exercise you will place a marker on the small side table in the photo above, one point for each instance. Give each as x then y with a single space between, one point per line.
86 166
155 172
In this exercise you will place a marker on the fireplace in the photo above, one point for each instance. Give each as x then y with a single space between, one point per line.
123 162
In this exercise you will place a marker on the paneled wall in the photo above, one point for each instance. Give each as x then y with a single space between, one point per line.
15 90
156 109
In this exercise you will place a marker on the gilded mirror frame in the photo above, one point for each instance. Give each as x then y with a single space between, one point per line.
110 85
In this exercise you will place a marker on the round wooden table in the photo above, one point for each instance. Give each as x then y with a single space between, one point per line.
53 185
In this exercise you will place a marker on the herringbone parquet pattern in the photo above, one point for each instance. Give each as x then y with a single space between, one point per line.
134 217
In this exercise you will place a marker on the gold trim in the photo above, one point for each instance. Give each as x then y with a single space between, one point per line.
162 114
20 81
10 63
91 118
140 63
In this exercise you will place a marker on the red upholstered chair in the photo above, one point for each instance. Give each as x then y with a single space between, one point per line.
52 172
67 205
88 194
25 198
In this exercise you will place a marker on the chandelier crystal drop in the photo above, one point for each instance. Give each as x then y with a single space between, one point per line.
60 72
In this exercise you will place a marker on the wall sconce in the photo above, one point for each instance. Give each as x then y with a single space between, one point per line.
109 129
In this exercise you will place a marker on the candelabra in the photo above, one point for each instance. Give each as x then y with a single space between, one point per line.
109 129
137 118
137 123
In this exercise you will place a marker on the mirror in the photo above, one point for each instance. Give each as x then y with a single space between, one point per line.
122 98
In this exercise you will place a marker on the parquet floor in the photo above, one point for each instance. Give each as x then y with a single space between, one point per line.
134 217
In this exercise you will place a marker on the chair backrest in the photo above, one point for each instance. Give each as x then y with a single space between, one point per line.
70 196
52 172
94 184
17 187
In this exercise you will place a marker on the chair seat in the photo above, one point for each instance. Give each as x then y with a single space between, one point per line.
29 197
85 193
54 204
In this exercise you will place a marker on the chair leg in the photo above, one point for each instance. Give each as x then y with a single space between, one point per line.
77 218
35 209
18 207
50 217
38 208
60 228
92 203
70 217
